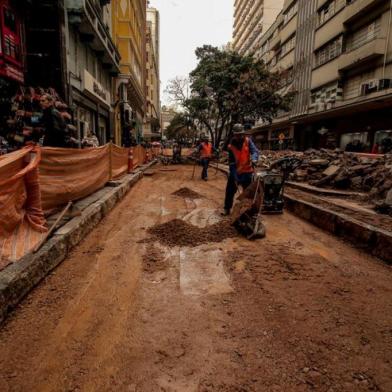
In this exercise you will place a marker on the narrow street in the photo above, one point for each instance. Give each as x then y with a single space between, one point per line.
297 311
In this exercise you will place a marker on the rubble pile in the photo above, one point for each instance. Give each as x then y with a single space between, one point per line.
345 171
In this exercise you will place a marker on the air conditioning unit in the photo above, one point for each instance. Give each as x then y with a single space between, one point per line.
372 85
384 84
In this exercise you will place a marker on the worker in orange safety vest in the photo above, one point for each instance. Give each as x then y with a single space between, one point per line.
206 152
243 157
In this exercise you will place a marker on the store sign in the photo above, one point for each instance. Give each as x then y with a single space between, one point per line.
92 86
13 73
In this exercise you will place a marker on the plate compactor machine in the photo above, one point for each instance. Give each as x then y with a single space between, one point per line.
263 196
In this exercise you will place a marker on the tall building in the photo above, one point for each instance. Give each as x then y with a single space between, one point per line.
336 56
167 115
92 61
252 18
129 34
152 117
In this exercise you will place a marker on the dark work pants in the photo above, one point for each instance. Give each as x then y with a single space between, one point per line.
244 180
205 163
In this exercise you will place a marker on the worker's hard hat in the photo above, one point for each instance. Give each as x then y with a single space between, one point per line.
238 129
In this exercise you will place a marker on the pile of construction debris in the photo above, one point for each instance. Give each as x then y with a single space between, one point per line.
340 170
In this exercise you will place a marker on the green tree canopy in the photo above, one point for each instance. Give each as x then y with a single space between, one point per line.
227 88
181 128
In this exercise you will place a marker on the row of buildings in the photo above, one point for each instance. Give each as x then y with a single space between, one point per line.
100 56
336 56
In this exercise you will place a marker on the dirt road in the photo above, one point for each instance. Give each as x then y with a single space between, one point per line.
297 311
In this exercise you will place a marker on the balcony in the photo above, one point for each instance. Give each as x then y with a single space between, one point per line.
359 8
84 15
365 53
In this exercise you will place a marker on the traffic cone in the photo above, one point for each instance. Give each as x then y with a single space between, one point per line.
130 160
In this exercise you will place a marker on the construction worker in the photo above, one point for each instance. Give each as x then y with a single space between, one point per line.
206 151
243 157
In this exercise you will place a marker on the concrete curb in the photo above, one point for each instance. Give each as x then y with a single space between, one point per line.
20 278
373 240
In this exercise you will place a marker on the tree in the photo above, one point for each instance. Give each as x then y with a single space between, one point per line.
178 90
181 128
227 88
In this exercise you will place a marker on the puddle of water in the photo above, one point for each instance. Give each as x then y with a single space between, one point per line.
202 271
202 217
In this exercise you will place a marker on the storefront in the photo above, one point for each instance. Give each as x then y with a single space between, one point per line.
92 109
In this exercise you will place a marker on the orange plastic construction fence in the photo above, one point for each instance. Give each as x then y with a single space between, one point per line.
119 161
37 180
22 223
139 156
71 174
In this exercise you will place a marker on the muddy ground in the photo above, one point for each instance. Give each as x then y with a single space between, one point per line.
297 311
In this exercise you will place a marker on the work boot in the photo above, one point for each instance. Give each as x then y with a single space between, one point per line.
226 212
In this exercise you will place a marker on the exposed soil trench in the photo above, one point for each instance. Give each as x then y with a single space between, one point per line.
297 311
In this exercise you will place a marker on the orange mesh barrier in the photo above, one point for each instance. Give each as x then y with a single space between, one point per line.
186 152
156 151
139 156
119 161
70 174
22 223
167 152
64 175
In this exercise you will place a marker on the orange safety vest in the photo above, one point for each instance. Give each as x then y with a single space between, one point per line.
206 150
242 157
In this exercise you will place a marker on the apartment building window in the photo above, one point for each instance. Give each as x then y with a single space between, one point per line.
352 85
328 10
288 46
364 35
329 51
290 12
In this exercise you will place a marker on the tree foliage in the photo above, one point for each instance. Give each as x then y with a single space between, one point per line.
181 128
227 88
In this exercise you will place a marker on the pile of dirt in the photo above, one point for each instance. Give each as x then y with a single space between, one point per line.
179 233
187 193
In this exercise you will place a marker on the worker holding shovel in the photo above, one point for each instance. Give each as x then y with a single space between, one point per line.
243 157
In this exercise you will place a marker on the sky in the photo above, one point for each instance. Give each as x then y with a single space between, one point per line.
186 25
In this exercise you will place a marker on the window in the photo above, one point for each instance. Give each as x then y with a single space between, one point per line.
330 9
287 46
329 51
290 12
362 36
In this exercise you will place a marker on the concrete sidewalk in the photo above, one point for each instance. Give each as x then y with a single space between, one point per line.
17 279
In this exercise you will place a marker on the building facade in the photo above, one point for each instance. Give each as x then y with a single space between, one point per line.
336 55
129 34
252 18
151 127
92 61
167 115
